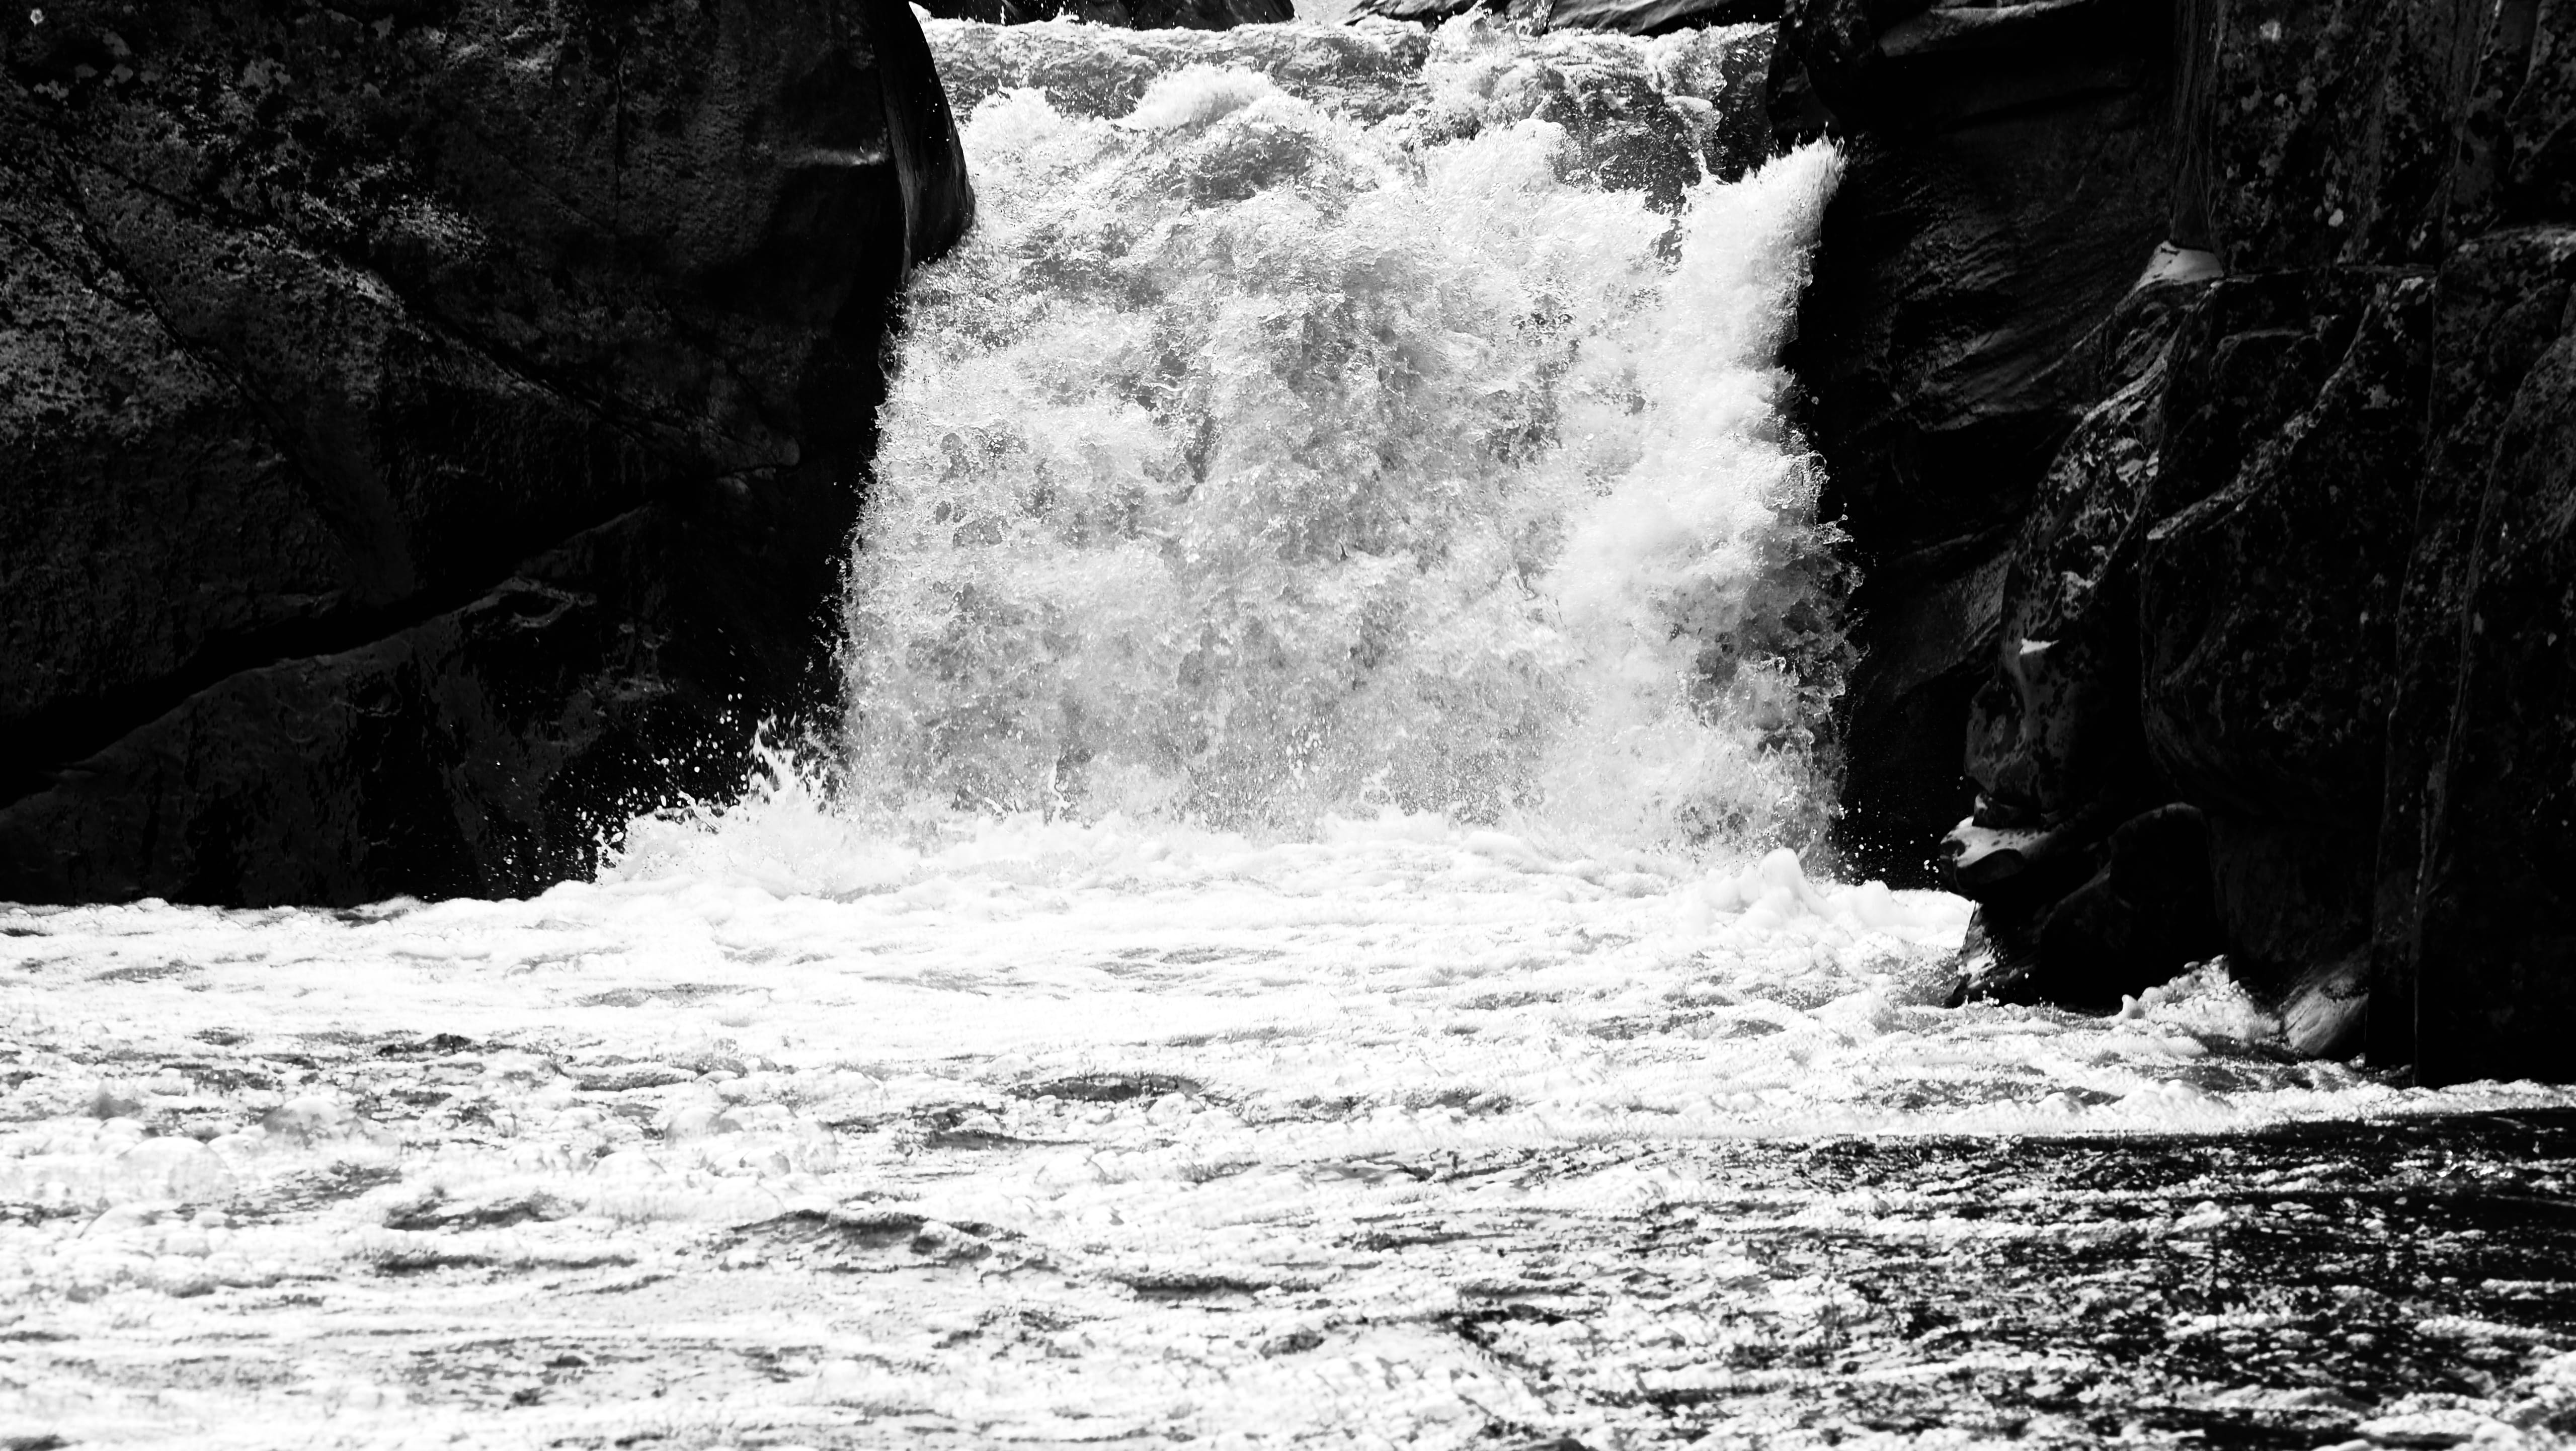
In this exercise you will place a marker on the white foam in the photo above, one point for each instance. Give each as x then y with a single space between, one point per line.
1248 465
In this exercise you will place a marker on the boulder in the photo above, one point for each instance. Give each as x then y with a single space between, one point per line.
2087 888
2054 743
1624 17
1656 119
1654 17
2140 916
2474 930
434 429
1369 70
1124 14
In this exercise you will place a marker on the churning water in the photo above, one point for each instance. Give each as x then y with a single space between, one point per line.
1255 462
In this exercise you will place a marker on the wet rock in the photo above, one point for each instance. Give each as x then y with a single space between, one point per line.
2318 135
114 1100
1427 12
1366 69
2054 742
627 1077
431 441
2005 188
2515 166
1656 17
2267 591
1627 17
2488 942
2144 917
2309 581
2136 921
2268 599
1126 14
1621 133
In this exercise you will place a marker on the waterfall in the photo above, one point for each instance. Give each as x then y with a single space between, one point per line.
1328 422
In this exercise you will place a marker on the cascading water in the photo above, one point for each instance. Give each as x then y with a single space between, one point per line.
1278 448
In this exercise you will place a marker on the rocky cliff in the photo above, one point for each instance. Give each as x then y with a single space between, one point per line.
1626 17
2195 380
432 428
1125 14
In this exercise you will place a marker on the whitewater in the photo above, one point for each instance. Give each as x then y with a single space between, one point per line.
1340 655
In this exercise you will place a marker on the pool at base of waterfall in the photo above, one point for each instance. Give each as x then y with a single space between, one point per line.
1057 1133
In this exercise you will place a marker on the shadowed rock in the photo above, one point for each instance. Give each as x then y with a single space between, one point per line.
433 430
1124 14
1627 17
2289 552
2005 188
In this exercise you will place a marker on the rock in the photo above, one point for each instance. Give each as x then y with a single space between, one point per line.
2292 556
1620 132
114 1100
2488 940
435 1211
2268 599
1125 14
1426 12
2007 182
627 1077
2145 916
1626 17
1655 17
433 433
2268 588
2515 166
2142 916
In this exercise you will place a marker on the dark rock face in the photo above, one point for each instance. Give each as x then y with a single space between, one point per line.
2114 933
2003 195
2476 913
432 431
2276 537
2267 603
1625 17
1126 14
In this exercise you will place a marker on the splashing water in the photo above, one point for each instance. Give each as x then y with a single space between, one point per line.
1252 464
